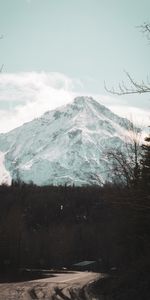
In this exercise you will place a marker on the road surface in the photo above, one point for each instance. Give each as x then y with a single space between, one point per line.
60 286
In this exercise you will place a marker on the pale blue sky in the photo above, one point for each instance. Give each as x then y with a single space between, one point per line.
86 40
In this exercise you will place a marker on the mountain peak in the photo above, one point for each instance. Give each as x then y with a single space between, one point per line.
82 100
64 146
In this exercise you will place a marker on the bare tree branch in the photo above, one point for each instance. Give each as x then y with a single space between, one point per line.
125 161
134 88
145 29
1 68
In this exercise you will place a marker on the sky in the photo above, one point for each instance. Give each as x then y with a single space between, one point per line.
55 50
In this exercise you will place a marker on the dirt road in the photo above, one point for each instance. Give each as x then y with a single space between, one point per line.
61 286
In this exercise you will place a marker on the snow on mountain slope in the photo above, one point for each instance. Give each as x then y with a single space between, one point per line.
4 174
64 146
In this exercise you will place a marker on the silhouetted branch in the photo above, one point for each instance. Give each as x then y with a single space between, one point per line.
134 88
145 29
1 68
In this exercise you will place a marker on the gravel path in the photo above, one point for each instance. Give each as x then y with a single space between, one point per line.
61 286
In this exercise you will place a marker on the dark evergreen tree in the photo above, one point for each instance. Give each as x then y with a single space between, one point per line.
145 162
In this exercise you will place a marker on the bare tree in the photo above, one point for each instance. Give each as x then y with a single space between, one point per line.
145 163
134 86
125 161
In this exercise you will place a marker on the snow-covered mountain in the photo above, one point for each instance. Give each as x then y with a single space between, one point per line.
64 146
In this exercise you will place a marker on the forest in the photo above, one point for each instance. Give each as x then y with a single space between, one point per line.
57 226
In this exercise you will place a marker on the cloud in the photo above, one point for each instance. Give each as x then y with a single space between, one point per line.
139 116
126 108
25 96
